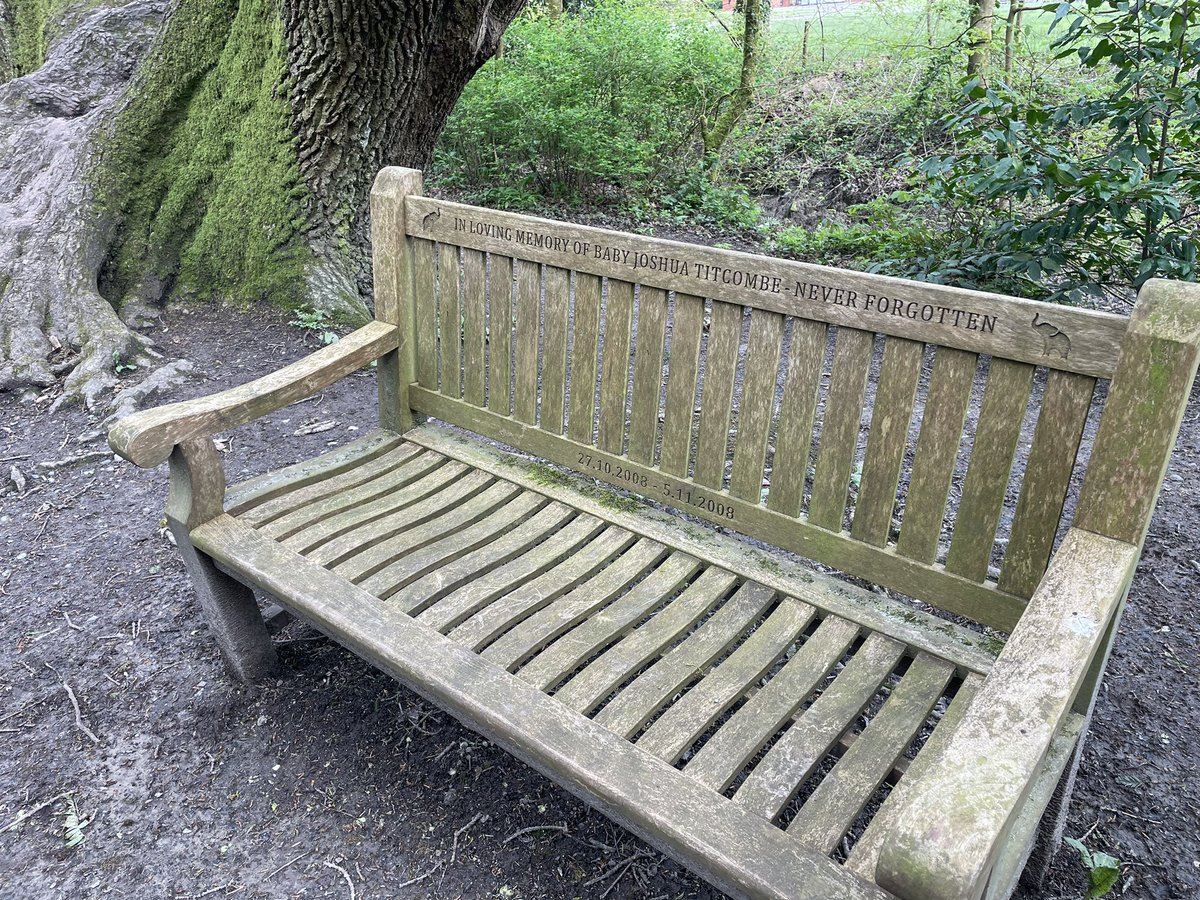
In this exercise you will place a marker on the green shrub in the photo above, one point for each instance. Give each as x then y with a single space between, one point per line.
601 105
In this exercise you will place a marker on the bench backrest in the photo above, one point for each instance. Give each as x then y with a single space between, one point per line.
784 400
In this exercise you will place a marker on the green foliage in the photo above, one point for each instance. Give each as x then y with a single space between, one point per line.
119 365
606 104
73 824
1073 196
318 321
1104 871
882 229
202 165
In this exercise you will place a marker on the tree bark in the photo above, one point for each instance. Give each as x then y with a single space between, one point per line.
754 38
236 163
982 14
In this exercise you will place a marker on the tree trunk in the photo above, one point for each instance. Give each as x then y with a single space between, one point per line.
982 14
754 39
235 165
53 233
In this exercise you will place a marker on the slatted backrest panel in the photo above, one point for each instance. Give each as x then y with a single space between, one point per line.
918 436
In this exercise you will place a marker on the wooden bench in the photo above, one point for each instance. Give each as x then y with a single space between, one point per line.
756 719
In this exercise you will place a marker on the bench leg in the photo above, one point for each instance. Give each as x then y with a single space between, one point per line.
232 614
1049 838
197 496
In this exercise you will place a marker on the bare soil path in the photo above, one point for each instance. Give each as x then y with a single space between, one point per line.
332 781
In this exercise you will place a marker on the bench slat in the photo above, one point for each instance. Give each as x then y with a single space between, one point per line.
1056 440
398 494
348 500
433 586
793 440
894 401
469 598
831 809
571 650
1000 418
328 481
840 430
554 348
525 387
586 690
571 609
614 378
455 544
425 313
716 394
503 613
937 449
686 719
474 300
736 742
794 757
450 320
683 371
647 373
635 788
582 424
633 707
500 325
865 854
424 530
757 406
355 555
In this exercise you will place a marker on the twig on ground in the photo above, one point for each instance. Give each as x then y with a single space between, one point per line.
1129 815
329 864
459 833
25 815
413 881
292 861
77 460
79 723
71 624
561 829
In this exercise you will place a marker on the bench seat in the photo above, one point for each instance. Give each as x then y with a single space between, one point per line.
712 696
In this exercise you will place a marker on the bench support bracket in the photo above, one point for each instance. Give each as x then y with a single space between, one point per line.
197 496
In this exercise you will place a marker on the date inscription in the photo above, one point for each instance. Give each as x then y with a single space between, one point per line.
672 492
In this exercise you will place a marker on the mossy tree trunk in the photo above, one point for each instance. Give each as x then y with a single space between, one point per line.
756 18
236 163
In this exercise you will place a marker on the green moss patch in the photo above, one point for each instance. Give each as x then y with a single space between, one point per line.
202 167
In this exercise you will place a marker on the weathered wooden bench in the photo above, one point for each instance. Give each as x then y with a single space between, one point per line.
781 732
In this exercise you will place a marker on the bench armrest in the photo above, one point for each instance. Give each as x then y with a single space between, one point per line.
146 438
956 817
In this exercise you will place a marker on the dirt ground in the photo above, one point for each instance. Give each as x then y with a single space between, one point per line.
173 781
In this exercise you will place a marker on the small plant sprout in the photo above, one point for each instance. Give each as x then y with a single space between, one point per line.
73 825
120 366
1104 871
316 321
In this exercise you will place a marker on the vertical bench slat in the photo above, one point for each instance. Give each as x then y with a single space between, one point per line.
1000 418
449 320
1047 476
937 448
683 370
583 358
758 402
839 433
525 389
474 326
500 322
614 380
894 400
647 373
554 348
425 301
716 398
793 438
